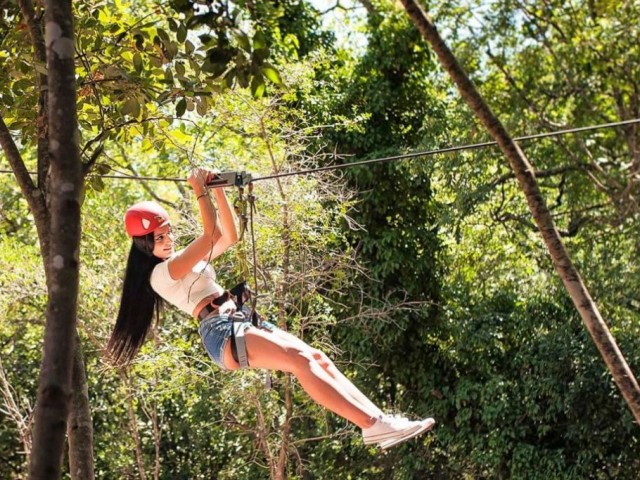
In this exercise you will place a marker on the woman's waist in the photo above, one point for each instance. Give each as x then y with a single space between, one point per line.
215 304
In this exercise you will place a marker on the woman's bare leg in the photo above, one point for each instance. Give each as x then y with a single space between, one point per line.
274 352
335 373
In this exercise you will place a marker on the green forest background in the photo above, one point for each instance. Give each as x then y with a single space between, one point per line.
424 279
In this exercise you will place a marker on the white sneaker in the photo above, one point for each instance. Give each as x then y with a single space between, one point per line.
400 420
388 428
421 427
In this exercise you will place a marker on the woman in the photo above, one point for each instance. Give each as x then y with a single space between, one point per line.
156 273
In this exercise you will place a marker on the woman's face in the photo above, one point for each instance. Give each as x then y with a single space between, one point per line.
163 242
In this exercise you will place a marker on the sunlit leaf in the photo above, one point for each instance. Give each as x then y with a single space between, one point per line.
257 86
271 73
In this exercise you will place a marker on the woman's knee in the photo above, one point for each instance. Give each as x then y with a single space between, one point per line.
295 357
305 360
319 358
302 360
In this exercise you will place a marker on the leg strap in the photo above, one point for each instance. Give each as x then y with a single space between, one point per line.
238 338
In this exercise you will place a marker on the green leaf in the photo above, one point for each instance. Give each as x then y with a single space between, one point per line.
181 107
137 62
243 40
271 73
206 39
102 168
168 76
257 86
96 183
201 106
139 39
164 36
182 33
130 107
180 70
259 41
19 86
171 50
194 66
155 61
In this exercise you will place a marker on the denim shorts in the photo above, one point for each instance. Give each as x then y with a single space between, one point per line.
216 331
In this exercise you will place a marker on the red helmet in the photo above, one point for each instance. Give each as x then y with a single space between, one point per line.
144 217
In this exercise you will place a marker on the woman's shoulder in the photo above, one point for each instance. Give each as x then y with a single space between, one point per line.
160 273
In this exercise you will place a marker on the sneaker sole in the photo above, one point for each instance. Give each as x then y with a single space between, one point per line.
389 436
425 427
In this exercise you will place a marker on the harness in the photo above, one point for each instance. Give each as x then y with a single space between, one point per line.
239 294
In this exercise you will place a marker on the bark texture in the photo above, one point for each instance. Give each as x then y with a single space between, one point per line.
80 427
65 173
571 279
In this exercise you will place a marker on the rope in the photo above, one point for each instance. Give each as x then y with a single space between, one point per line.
252 208
240 206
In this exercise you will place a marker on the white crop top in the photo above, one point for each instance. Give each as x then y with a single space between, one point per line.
186 292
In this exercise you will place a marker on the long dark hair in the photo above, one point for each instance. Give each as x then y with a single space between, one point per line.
137 304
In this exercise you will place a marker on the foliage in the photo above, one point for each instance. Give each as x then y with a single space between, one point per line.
22 305
451 309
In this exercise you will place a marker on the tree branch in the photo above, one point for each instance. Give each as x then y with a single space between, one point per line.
42 123
28 188
571 231
29 14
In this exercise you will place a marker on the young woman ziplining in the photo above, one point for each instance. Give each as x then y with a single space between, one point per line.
156 272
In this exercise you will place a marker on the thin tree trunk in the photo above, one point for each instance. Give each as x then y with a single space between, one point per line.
285 430
54 385
152 416
585 305
80 428
42 121
133 425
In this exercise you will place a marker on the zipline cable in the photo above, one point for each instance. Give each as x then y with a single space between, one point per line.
427 153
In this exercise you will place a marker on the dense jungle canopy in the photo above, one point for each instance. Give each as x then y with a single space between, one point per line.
425 279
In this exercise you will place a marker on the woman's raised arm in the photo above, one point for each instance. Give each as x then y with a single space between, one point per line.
218 235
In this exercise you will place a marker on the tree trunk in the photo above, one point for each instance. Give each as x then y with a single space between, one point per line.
54 384
585 305
37 197
80 428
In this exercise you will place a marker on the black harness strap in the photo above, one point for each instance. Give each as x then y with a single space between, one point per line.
241 293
